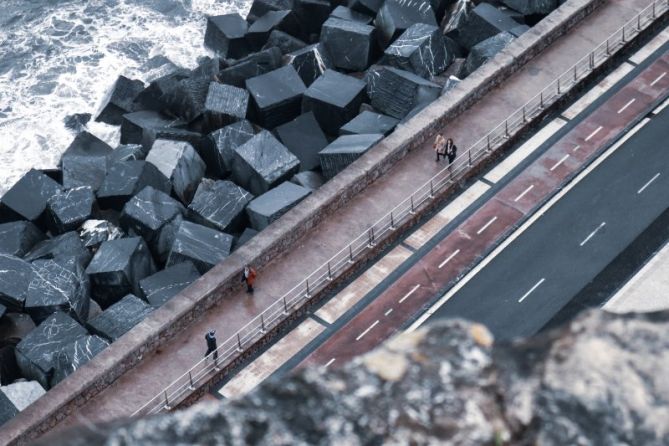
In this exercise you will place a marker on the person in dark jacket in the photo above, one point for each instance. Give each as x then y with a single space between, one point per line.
211 345
451 150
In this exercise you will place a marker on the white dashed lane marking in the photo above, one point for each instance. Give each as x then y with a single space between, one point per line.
448 259
532 289
366 331
485 226
630 102
597 130
522 194
406 296
592 234
658 79
562 160
648 183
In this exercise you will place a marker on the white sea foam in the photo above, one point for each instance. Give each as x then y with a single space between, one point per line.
61 59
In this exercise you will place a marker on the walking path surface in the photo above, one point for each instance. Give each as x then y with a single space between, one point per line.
158 369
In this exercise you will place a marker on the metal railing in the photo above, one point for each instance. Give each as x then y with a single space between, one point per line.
277 312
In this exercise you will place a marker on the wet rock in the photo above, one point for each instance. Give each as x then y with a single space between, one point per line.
18 237
77 121
277 96
484 51
186 98
126 179
369 122
283 41
60 247
262 163
312 14
180 163
260 30
14 279
7 409
3 311
396 92
368 7
70 208
57 286
119 100
271 205
451 82
164 285
36 354
117 268
23 394
225 35
13 328
261 7
310 62
93 232
531 7
119 318
9 370
334 99
207 68
344 150
147 213
142 127
247 235
308 179
203 246
220 205
481 23
396 16
127 152
224 105
350 44
457 69
75 354
251 66
219 151
153 96
304 138
420 49
344 13
26 200
84 163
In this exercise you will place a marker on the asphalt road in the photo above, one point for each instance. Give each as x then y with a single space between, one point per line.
541 271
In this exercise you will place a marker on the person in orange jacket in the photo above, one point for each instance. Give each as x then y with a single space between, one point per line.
249 276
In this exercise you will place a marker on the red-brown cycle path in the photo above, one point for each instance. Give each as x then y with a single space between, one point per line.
452 257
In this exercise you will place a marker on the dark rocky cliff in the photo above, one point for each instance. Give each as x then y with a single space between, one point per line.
601 380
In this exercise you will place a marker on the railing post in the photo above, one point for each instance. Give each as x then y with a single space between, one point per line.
370 236
431 190
488 139
653 9
239 344
350 254
558 82
285 306
592 60
190 380
167 403
638 22
392 221
608 52
506 128
524 117
308 295
623 39
541 99
329 272
469 152
412 211
262 324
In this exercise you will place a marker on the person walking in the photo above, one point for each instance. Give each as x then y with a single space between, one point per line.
249 276
440 146
211 346
451 150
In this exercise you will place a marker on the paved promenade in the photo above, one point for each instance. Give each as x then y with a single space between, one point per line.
160 368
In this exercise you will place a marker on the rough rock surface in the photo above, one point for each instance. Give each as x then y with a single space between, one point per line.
396 92
203 246
218 151
601 380
23 393
220 205
163 285
263 210
118 319
350 44
18 237
180 163
486 50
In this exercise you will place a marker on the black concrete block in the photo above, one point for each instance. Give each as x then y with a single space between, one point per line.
203 246
70 208
117 268
531 7
310 62
225 104
420 49
207 68
369 122
119 318
396 92
481 23
37 351
220 205
153 97
483 51
262 163
334 99
225 35
271 205
309 179
259 32
261 7
26 199
75 354
312 14
18 237
60 247
14 279
186 98
344 13
127 178
94 232
247 235
9 370
350 44
58 286
147 213
7 409
368 7
119 100
180 163
304 138
219 151
277 96
164 285
127 152
344 150
396 16
251 66
141 127
283 41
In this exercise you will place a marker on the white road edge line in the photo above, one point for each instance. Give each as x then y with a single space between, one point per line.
455 253
658 79
406 296
559 162
592 234
366 331
485 226
578 146
327 364
522 194
536 285
648 183
593 133
388 312
630 102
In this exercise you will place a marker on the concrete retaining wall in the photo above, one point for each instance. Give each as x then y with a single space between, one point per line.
179 312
